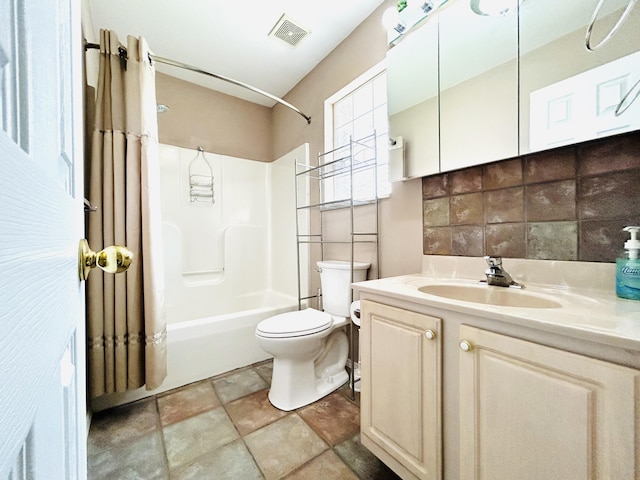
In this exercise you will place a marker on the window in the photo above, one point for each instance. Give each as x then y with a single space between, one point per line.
358 113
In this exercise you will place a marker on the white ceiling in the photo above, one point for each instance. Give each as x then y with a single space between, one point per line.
230 38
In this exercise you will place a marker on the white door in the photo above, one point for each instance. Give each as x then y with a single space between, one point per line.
42 396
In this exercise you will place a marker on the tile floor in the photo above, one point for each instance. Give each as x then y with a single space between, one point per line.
225 428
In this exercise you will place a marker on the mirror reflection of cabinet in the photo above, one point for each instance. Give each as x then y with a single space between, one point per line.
478 86
569 94
412 103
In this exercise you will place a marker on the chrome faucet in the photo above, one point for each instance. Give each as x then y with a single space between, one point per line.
496 275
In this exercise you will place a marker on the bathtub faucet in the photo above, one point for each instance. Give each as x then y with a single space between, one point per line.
496 275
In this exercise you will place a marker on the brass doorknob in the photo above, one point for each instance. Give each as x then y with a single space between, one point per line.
113 259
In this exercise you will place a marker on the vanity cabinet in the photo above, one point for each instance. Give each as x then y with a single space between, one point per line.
529 412
568 93
486 400
401 389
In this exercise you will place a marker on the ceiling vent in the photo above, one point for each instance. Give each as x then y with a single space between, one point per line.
286 29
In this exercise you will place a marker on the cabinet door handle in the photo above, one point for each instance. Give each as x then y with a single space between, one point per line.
615 28
430 334
465 346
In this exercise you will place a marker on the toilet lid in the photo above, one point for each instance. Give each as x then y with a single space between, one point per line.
294 324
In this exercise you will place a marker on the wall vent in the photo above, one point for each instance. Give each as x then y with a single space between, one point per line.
287 30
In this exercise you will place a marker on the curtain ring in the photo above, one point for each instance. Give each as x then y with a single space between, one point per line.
615 28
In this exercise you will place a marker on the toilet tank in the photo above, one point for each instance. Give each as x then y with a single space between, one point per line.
335 279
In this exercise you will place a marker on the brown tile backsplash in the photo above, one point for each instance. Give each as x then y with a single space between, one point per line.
553 240
507 173
437 240
465 181
569 203
468 241
436 212
467 209
504 205
610 156
551 201
558 164
435 186
506 240
610 195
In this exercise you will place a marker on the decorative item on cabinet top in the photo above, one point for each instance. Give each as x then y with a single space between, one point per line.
201 179
407 14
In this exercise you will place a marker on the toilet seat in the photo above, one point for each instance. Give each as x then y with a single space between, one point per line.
294 324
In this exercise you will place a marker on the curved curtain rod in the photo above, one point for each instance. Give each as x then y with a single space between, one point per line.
174 63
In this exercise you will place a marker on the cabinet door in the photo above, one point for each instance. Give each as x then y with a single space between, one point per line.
412 99
532 412
478 86
569 94
400 397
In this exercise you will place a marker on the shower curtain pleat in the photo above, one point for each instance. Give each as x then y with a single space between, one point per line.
126 324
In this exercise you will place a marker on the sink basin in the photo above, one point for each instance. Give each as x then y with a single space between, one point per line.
490 295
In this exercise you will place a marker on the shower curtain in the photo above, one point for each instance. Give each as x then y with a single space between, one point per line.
126 325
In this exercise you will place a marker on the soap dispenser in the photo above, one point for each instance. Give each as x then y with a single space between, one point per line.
628 267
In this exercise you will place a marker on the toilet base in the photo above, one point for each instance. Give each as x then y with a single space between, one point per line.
323 387
296 383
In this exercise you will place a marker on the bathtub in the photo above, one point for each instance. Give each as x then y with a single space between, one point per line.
204 347
200 348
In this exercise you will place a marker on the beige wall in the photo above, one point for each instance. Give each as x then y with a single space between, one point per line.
400 215
220 123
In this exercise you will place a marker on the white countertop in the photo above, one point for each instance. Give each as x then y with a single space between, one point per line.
589 308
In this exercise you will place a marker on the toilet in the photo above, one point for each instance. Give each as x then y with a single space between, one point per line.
309 347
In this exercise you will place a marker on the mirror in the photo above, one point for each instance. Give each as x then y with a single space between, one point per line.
412 99
569 94
478 85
